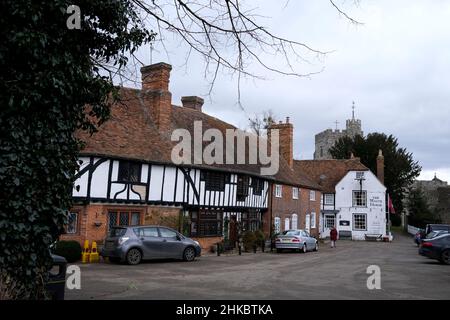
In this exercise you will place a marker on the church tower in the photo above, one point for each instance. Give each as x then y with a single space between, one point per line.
325 140
353 126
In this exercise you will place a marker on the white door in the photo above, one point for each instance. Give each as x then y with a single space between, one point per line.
329 222
308 222
286 224
294 224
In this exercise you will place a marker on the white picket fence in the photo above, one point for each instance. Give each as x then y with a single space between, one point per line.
412 230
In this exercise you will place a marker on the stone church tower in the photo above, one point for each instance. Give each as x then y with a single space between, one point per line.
326 139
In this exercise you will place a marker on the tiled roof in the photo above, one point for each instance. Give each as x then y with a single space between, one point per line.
131 133
327 173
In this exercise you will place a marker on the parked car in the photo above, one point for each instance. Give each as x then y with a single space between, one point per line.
436 227
137 243
437 246
296 240
429 228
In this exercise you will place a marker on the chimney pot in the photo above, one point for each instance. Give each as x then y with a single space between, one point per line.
286 136
155 90
156 76
192 102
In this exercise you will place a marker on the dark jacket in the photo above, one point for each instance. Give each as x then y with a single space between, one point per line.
333 234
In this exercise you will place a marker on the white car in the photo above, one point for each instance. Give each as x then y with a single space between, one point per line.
296 240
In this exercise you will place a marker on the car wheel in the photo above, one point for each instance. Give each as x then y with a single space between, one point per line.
445 257
304 248
189 254
134 256
316 248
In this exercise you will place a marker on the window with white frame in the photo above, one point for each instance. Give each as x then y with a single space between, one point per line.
312 195
72 226
278 190
307 222
277 224
286 224
329 199
294 224
330 220
359 198
294 193
359 222
313 220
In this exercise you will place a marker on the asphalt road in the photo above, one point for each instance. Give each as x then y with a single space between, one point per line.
339 273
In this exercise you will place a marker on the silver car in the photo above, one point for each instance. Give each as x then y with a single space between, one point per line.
133 244
296 240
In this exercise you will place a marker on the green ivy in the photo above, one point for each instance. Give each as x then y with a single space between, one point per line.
49 75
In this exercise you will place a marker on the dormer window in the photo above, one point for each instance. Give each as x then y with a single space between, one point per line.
129 171
214 181
257 186
242 188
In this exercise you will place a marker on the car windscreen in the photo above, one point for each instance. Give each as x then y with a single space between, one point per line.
117 232
438 227
291 233
434 234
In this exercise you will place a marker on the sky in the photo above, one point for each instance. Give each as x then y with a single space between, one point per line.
394 66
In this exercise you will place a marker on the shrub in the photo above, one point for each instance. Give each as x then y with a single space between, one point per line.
71 250
260 238
249 240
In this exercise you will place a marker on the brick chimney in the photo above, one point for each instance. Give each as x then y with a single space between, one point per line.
192 102
380 166
155 89
286 133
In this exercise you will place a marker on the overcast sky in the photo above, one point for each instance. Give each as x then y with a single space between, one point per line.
396 67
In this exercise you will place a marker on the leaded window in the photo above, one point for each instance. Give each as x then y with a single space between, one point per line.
359 222
72 226
214 181
360 198
206 223
129 171
123 218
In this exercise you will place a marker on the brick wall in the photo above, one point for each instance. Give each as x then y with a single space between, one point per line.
207 243
93 219
286 206
309 206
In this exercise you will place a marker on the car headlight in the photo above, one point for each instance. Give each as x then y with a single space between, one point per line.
197 243
122 240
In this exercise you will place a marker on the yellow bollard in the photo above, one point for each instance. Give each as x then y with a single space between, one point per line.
94 257
86 253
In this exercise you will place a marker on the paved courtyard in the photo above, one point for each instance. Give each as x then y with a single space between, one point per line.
328 274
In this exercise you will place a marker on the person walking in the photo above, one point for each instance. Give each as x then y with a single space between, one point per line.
333 237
